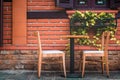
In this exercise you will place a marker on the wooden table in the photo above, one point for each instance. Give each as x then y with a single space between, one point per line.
72 74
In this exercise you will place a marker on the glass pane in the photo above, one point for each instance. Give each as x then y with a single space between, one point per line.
64 1
82 2
100 2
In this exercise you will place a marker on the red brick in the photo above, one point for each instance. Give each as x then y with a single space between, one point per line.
7 4
7 37
7 16
40 0
41 3
50 41
118 20
52 28
43 20
7 8
7 42
7 29
59 21
54 32
31 20
7 21
118 37
63 24
7 12
42 8
49 0
7 32
7 24
34 24
32 28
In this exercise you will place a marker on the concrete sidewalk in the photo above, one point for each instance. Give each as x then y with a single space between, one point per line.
32 75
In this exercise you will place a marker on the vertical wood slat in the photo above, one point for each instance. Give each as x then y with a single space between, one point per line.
19 21
1 23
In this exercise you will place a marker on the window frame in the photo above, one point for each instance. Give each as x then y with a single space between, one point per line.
81 6
91 5
110 4
102 6
114 4
64 5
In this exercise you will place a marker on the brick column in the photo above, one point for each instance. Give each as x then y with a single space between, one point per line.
19 21
1 23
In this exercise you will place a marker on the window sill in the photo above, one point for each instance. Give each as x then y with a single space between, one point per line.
70 12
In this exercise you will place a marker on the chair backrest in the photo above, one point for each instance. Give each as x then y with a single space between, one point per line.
39 43
105 41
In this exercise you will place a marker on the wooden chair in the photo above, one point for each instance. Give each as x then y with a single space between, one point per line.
48 54
100 53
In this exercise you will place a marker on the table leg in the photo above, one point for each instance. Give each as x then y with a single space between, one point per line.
72 55
72 74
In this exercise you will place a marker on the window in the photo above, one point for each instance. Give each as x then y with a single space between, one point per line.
114 4
64 3
117 3
100 2
91 4
117 0
86 4
82 2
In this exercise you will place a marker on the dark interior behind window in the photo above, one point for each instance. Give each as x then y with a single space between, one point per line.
88 4
81 2
64 1
100 2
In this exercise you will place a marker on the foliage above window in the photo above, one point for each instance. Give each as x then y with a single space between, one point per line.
90 22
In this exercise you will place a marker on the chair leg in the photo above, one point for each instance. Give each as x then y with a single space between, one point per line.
80 66
61 66
39 67
64 65
81 62
83 66
107 67
102 64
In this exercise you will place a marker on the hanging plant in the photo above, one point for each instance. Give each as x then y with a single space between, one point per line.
84 20
81 23
105 22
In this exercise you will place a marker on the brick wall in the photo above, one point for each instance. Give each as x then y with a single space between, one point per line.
50 31
25 56
7 23
35 5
